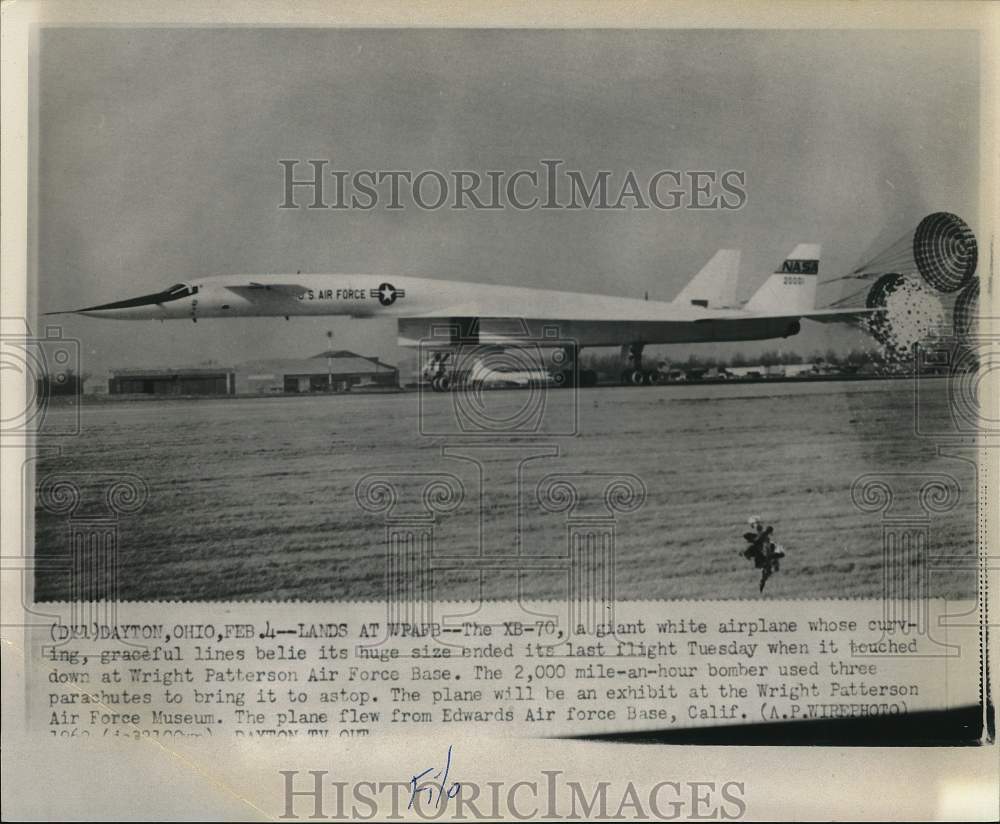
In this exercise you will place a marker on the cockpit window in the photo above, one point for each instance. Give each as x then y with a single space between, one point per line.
182 290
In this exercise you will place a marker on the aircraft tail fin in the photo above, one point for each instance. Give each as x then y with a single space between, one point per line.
715 285
792 288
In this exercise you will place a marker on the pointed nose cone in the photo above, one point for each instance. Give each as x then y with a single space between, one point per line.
112 312
89 313
120 313
144 307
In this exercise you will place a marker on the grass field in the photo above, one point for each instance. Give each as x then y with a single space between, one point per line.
254 498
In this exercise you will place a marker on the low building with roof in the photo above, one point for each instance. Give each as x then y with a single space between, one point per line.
208 380
330 371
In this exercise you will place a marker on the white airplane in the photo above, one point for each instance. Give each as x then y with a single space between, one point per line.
442 316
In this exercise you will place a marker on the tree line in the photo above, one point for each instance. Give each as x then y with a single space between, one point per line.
856 358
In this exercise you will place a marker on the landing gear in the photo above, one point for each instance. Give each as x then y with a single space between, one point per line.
634 374
445 371
437 373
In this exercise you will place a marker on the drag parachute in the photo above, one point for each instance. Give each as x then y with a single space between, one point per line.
942 251
880 325
966 310
945 251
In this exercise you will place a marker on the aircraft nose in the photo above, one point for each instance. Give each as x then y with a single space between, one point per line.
120 313
138 308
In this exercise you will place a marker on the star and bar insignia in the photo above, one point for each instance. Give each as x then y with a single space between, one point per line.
387 294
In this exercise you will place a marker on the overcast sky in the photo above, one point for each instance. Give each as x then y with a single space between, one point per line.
158 161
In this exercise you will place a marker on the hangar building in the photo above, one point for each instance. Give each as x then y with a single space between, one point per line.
331 371
213 380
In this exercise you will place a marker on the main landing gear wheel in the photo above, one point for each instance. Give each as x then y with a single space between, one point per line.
438 373
635 375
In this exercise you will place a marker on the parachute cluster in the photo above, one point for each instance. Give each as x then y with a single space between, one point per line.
913 279
911 313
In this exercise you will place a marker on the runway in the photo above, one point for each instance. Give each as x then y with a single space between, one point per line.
255 498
